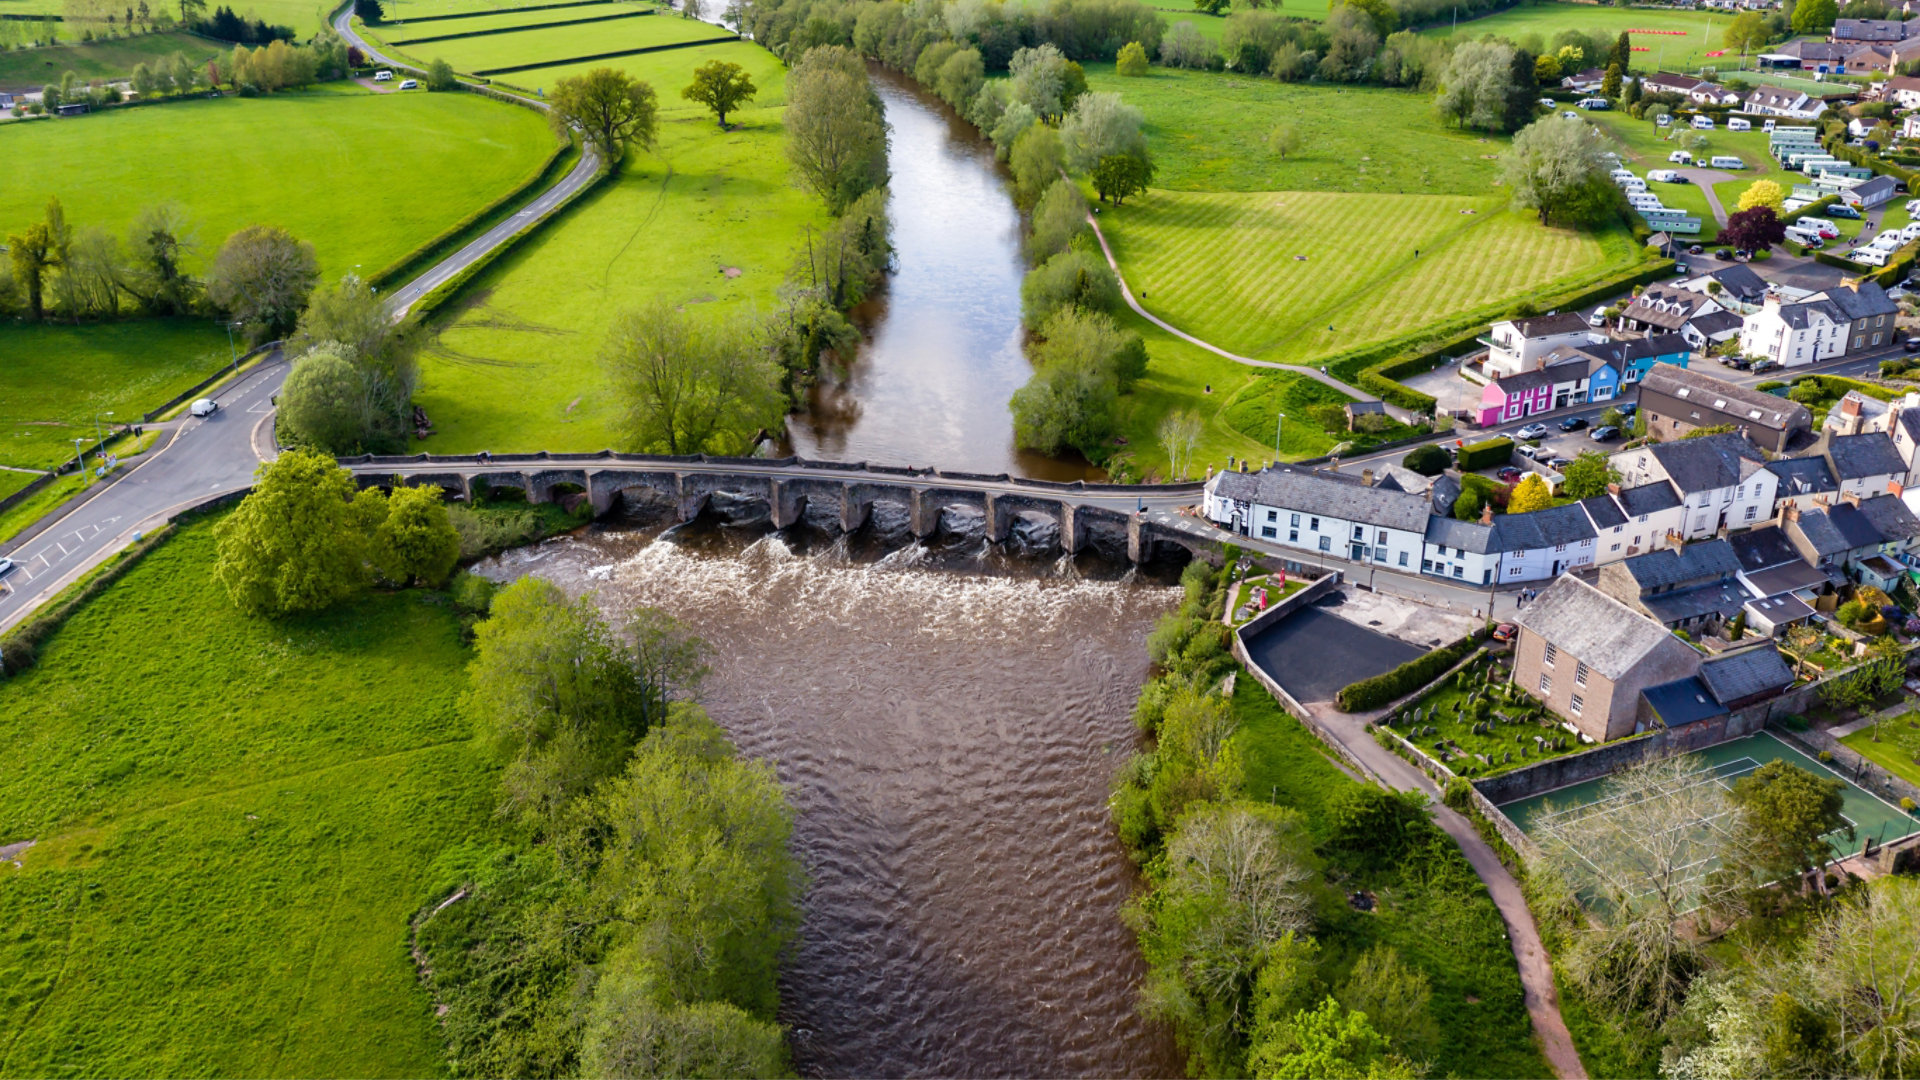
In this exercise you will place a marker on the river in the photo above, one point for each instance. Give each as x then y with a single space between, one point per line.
942 355
946 739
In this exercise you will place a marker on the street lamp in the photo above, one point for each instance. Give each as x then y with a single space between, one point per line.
96 426
231 351
79 458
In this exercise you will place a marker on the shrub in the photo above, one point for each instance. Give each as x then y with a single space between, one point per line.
1486 455
1907 803
1405 679
1428 460
1072 277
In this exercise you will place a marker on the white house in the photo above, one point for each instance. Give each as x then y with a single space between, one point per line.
1325 513
1514 344
1653 510
1795 334
1509 548
1776 101
1721 479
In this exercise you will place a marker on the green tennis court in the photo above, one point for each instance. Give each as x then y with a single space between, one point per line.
1870 816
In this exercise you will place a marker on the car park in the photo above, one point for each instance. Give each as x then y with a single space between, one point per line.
1604 434
1573 423
204 407
1532 431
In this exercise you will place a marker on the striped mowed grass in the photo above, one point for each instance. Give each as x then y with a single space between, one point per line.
1291 275
561 43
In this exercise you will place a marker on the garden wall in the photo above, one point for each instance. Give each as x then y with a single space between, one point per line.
1609 758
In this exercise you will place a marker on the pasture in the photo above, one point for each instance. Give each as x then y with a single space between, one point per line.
60 377
401 32
235 817
31 69
667 72
1681 41
709 220
1208 132
365 178
561 43
1293 275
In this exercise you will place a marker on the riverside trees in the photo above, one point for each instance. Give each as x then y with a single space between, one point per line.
836 132
354 374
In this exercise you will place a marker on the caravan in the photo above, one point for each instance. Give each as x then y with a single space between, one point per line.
1735 123
1703 123
1727 161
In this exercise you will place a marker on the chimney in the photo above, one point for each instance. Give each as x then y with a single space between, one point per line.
1850 404
1486 515
1366 477
1791 512
1676 541
1613 489
1821 500
1851 498
1895 488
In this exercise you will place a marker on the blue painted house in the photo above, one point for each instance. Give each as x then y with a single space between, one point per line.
1630 360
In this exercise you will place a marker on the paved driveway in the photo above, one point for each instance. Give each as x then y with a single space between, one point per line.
1706 178
1313 653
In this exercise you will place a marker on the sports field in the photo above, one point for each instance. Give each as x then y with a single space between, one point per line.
1543 815
364 177
31 69
1208 132
1291 275
561 43
1677 41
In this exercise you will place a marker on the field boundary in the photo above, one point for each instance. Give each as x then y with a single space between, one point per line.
397 42
494 11
460 232
485 72
225 371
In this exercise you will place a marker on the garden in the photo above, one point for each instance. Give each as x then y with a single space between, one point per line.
1477 723
1256 594
1892 744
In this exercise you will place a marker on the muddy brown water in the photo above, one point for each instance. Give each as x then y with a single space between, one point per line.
946 720
942 356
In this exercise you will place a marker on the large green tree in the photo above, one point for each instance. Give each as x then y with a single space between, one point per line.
298 542
836 131
690 387
721 86
612 109
1588 475
416 541
262 277
1554 167
1786 815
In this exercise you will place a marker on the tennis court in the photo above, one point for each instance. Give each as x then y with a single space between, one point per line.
1541 816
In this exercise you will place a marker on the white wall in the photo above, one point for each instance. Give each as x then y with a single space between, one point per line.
1473 569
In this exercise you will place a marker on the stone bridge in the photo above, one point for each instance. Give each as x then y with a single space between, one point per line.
837 495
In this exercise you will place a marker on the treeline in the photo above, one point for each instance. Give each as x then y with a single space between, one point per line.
241 29
636 923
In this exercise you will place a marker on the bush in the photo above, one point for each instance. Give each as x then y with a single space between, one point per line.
1405 679
1075 277
1486 455
1429 460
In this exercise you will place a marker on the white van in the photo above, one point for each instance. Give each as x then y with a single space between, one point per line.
1680 157
1735 123
382 76
206 406
1727 161
409 84
1703 123
1664 176
1804 237
1820 227
1662 120
1594 104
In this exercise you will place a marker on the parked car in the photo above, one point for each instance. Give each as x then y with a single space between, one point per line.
1508 474
1569 114
1559 463
1628 408
1730 361
1764 365
6 567
1694 250
1598 318
1532 431
1604 434
206 406
1573 423
1741 363
1841 210
410 84
1911 345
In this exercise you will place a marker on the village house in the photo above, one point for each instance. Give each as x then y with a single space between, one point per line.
1865 465
1692 587
1805 482
1666 309
1771 568
1585 82
1722 481
1696 91
1904 91
1327 513
1775 101
1508 548
1587 657
1732 680
1843 535
1849 318
1655 512
1874 30
1738 287
1676 401
1516 345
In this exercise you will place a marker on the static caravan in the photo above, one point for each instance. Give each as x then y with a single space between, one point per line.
1871 256
1672 221
1645 202
1736 123
1703 123
1828 171
1635 186
1727 161
1621 174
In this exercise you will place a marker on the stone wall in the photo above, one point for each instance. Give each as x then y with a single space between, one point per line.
1611 757
1284 608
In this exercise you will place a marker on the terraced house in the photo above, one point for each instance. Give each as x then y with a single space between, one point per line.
1721 479
1328 513
1676 402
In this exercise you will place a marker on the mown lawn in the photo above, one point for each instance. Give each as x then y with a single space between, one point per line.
1180 376
400 31
1690 35
235 817
1294 275
563 42
59 377
31 69
525 373
667 72
1208 132
364 177
1898 750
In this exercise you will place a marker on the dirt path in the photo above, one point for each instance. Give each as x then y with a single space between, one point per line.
1398 413
1529 952
1706 178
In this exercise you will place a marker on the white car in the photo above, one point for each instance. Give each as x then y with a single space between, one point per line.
1680 157
1532 431
1547 101
6 567
206 406
409 84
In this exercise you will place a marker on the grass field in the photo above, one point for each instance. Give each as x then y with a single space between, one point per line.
564 42
59 377
402 10
1226 268
1208 132
30 69
667 72
1898 749
364 177
1698 33
400 32
670 226
235 818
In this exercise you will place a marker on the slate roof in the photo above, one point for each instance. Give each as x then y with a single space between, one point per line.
1605 634
1821 534
1909 421
1740 674
1569 370
1876 186
1649 498
1709 462
1803 476
1758 549
1564 322
1890 517
1743 404
1682 702
1741 281
1542 528
1855 457
1863 300
1361 408
1332 495
1872 30
1780 608
1724 599
1800 315
1603 511
1774 97
1855 526
1717 322
1445 490
1669 309
1449 532
1788 577
1674 566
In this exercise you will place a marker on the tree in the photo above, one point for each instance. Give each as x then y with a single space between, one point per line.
1179 432
1622 54
1072 278
325 404
1546 69
1078 337
1754 229
1038 156
1119 175
1284 139
1428 460
298 542
1132 61
612 109
1763 193
1814 16
1210 7
1059 217
1748 32
631 1032
1552 167
155 274
1530 494
689 388
1610 82
721 86
440 77
1786 815
36 252
262 277
670 660
1102 126
1328 1043
1396 999
1379 13
836 133
367 11
1589 475
416 541
1468 505
1477 85
1039 80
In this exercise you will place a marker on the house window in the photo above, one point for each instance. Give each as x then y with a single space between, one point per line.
1403 558
1273 515
1314 525
1615 547
1580 674
1379 554
1576 705
1559 547
1326 543
1293 536
1295 522
1267 531
1380 537
1456 571
1552 654
1546 684
1426 566
1515 572
1876 339
1752 512
1359 533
